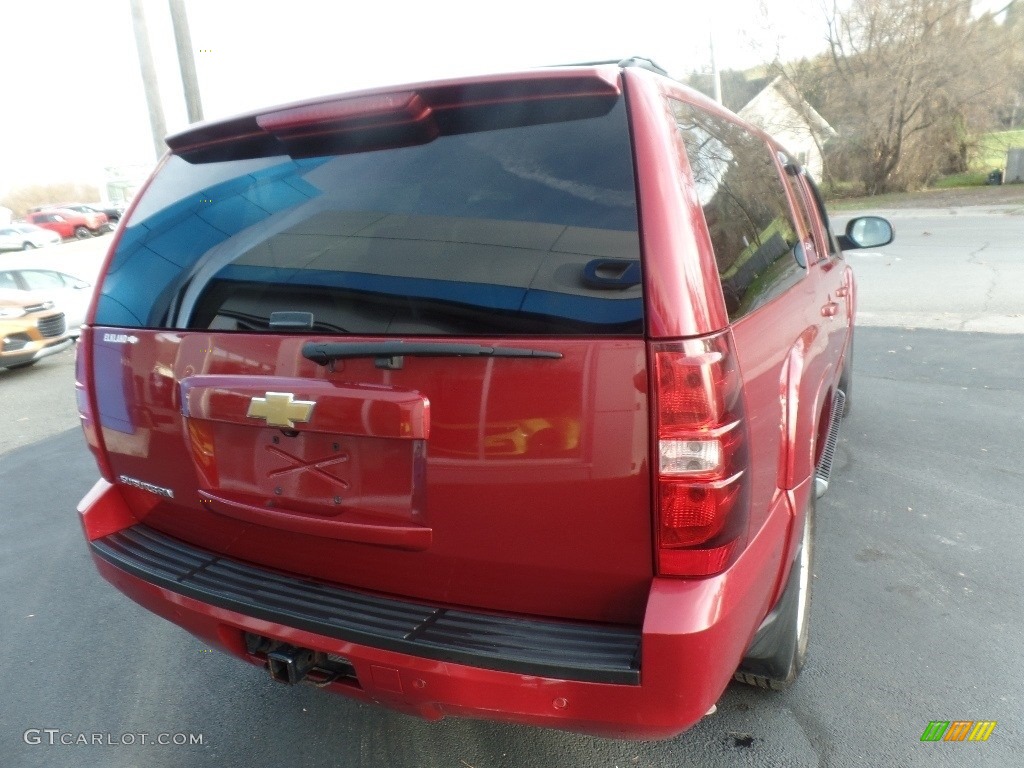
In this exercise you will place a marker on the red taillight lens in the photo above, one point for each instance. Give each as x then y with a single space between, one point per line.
687 399
86 404
701 470
691 514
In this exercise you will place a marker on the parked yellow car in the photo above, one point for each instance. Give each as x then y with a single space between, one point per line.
30 329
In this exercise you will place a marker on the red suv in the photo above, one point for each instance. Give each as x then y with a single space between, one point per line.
68 223
501 397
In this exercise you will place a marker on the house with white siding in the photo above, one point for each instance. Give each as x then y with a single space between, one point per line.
779 110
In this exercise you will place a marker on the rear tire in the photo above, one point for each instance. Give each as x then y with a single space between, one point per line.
82 233
27 246
779 650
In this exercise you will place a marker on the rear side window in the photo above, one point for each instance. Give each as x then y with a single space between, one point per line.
523 229
756 242
822 215
39 280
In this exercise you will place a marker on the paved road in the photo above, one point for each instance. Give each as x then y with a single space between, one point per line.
917 610
954 269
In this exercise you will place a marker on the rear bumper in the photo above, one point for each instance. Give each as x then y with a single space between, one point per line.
532 647
649 682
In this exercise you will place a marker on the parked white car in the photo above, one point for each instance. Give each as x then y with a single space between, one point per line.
70 294
25 237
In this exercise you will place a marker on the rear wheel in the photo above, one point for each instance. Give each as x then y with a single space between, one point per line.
82 233
779 650
27 246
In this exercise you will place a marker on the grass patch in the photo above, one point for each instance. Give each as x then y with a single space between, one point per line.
968 179
839 190
990 152
851 203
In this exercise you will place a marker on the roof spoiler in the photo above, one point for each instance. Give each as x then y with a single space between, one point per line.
378 119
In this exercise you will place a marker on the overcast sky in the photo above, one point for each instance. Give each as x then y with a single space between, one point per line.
73 101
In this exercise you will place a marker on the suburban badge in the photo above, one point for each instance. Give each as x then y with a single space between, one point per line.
142 485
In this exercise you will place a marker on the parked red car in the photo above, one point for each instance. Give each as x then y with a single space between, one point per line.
112 212
68 223
504 397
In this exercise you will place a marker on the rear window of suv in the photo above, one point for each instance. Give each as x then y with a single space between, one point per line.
523 229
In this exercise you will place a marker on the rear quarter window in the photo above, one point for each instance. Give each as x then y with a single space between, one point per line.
756 242
523 229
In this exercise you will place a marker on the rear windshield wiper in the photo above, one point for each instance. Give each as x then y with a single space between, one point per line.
389 354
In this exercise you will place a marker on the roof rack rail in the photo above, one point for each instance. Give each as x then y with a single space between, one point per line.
644 63
631 61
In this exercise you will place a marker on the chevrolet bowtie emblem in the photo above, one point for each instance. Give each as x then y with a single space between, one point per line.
280 409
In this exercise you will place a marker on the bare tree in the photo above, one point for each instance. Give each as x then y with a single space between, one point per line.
1013 110
905 81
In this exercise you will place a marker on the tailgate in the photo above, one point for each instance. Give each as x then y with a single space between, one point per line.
504 465
515 485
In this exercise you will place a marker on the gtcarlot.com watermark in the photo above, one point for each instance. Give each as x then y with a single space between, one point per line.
55 736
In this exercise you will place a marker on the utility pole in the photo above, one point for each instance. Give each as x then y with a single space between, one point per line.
716 76
186 60
149 82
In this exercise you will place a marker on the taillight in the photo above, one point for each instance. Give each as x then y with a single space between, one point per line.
702 482
86 404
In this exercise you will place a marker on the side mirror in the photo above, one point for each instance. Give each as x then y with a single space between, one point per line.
867 232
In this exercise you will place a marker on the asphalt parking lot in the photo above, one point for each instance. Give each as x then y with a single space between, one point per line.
917 615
